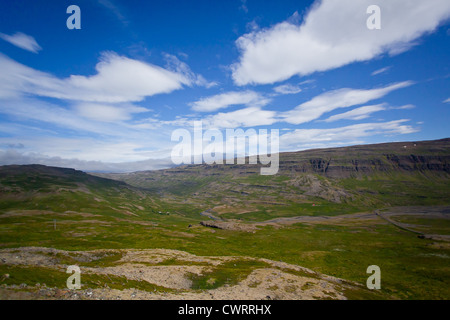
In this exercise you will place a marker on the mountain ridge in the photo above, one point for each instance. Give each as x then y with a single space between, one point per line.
408 155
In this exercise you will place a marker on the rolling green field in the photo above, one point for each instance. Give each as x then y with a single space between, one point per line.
412 268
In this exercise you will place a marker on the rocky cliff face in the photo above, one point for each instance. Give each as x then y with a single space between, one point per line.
431 157
419 162
342 168
428 157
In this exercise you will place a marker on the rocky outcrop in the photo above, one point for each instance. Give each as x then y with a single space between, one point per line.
427 157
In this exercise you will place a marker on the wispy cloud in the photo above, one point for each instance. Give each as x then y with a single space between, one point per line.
246 117
108 113
114 9
225 100
253 115
357 114
30 109
298 138
404 107
243 6
288 49
287 89
176 65
74 132
379 71
341 98
23 41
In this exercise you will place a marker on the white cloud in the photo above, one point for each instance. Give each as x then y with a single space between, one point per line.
365 111
118 79
446 101
287 89
300 137
247 117
404 107
379 71
84 131
155 123
27 109
310 110
108 113
225 100
357 114
174 64
88 140
341 98
23 41
334 34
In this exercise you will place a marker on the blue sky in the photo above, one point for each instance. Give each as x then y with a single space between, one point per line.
108 96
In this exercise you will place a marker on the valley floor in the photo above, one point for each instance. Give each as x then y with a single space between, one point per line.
171 274
411 245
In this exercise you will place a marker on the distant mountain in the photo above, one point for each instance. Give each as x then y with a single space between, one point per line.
39 187
40 178
343 162
313 182
338 180
356 161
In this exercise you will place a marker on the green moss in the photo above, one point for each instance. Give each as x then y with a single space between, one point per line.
33 275
228 273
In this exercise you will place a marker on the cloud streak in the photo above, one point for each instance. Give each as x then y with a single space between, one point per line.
225 100
357 114
298 138
108 113
380 71
341 98
287 89
22 41
246 117
114 10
